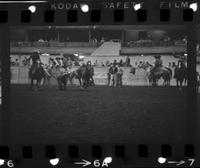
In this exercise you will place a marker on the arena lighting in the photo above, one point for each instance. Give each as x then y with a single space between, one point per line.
54 162
81 56
45 54
32 8
84 8
137 6
162 160
194 6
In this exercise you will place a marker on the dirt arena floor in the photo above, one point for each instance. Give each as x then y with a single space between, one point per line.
98 114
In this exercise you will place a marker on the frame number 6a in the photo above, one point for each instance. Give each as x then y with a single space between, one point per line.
105 162
96 163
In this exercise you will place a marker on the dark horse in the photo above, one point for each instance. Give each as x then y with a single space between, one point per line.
180 74
160 72
37 73
84 74
62 81
77 74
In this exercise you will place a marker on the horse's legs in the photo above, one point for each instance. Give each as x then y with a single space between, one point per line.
108 75
49 81
154 82
168 82
70 79
121 82
84 83
38 84
181 83
31 85
43 81
177 83
92 81
46 81
185 82
164 82
65 84
59 84
80 82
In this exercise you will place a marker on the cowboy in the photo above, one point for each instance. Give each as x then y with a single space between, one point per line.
119 76
35 57
158 63
133 70
127 61
91 69
113 74
108 74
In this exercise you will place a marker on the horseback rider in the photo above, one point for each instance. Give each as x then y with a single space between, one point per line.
35 58
157 64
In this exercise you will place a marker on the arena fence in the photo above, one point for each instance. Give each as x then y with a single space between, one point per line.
19 75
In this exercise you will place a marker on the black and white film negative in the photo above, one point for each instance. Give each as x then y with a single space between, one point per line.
100 83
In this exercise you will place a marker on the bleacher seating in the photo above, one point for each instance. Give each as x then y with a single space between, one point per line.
107 49
51 43
153 50
53 50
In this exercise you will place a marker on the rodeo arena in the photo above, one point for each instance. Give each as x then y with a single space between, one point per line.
70 83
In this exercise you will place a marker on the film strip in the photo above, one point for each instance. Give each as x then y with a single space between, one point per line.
100 83
95 16
98 155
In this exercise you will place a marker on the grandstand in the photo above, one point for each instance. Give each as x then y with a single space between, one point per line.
108 49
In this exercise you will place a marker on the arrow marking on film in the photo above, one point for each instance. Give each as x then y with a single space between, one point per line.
84 163
178 163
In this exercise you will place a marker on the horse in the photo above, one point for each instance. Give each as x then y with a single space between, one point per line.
167 77
37 73
90 71
46 80
62 81
148 73
160 72
62 75
87 76
77 74
84 74
180 74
